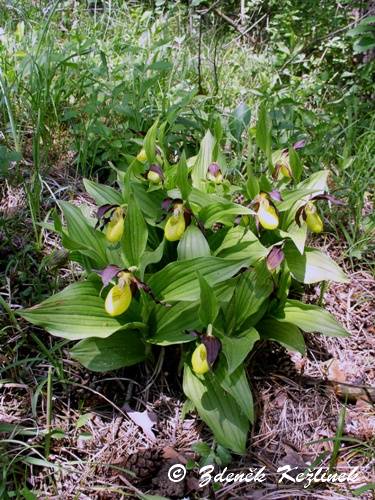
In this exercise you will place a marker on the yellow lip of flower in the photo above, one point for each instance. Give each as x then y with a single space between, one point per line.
175 226
118 299
199 361
153 177
267 215
313 221
141 156
115 227
285 171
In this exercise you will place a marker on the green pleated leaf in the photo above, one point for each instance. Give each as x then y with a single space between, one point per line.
182 177
253 288
83 237
239 120
135 233
170 325
263 132
311 318
209 307
241 243
102 194
152 257
217 409
286 334
297 234
121 349
295 164
199 170
193 244
149 142
236 348
78 312
313 266
179 280
224 213
237 386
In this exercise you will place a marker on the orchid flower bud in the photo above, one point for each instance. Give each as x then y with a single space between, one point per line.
119 297
141 156
313 220
176 225
267 215
199 361
214 173
155 174
115 227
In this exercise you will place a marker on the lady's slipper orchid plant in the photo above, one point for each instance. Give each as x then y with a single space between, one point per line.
225 286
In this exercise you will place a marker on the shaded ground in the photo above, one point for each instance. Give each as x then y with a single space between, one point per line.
113 451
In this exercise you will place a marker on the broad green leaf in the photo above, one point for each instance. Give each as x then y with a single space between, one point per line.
124 348
297 234
193 244
317 181
135 233
182 177
151 257
263 132
239 120
199 170
224 213
292 197
241 243
85 238
236 348
311 318
102 194
149 142
209 308
286 334
295 164
313 266
179 280
253 288
237 386
148 202
201 199
217 409
170 325
78 312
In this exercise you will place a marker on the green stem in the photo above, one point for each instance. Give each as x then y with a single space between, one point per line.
13 129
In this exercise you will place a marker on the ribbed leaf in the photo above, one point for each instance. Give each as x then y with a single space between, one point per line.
169 325
222 212
179 280
136 234
102 355
237 348
241 243
311 318
209 308
77 313
237 386
102 194
199 170
217 409
286 334
313 266
84 237
192 244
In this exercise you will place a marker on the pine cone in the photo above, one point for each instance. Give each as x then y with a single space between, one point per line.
144 463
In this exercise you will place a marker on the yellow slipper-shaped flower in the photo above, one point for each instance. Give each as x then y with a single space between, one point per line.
199 361
115 227
267 215
175 227
313 221
141 156
118 300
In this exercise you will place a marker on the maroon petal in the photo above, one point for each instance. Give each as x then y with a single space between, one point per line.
166 204
213 346
157 169
104 209
109 273
328 197
274 258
